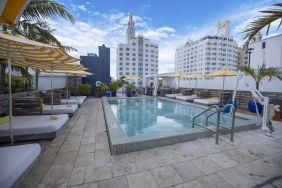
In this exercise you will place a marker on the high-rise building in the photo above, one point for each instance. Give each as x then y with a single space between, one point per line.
209 53
137 57
99 65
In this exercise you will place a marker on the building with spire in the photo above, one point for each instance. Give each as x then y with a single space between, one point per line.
137 57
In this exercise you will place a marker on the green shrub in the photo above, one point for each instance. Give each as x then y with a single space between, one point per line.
84 89
114 85
19 84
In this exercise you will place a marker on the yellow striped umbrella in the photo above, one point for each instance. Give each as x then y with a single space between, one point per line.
222 72
195 75
177 75
23 49
11 10
18 49
132 78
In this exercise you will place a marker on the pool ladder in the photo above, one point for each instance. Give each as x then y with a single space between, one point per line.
216 110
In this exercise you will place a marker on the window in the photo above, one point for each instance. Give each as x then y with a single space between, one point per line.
263 45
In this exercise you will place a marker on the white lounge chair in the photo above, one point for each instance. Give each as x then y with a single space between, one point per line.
208 101
77 101
15 162
33 127
60 109
187 98
79 97
173 95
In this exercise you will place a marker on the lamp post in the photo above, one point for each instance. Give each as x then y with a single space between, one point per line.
249 50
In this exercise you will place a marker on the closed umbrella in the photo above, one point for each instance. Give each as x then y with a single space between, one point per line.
222 73
19 50
11 11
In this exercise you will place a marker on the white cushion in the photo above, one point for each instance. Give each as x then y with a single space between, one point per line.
72 101
172 95
60 109
81 97
206 101
186 98
25 125
15 161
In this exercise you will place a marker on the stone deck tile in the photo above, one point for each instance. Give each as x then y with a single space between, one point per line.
188 170
213 180
207 165
141 180
166 176
118 182
252 159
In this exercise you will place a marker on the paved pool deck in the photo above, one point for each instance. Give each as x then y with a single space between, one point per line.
80 157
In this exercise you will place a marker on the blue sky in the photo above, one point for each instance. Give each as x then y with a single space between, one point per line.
166 22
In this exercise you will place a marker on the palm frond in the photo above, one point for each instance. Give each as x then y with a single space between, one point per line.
46 9
248 71
259 23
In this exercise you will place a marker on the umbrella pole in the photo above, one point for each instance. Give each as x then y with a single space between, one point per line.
222 93
52 110
10 100
75 84
67 90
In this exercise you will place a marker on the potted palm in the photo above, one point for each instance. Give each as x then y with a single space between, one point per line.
113 86
129 88
258 75
104 89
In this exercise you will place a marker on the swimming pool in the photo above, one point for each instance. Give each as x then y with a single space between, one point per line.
139 123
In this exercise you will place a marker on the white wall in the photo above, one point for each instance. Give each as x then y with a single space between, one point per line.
44 82
230 83
271 54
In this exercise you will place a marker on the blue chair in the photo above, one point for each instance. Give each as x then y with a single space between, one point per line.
228 108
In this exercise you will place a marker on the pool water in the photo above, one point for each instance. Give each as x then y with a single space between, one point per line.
147 116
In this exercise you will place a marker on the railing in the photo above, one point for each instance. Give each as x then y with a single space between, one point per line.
217 111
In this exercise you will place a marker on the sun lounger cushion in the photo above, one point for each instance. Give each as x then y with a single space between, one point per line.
207 101
27 125
172 95
60 109
72 101
15 161
80 97
187 98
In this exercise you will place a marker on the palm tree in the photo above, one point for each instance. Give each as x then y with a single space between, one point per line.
258 24
33 26
263 72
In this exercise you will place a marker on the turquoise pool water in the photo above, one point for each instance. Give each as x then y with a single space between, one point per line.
147 116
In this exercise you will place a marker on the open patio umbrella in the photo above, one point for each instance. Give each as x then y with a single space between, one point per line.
195 75
79 71
19 50
222 73
177 75
132 78
11 11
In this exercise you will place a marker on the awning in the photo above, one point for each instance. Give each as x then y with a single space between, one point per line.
11 11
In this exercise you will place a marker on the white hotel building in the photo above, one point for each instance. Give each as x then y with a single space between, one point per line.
209 53
138 57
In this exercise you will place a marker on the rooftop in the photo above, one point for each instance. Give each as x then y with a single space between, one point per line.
80 157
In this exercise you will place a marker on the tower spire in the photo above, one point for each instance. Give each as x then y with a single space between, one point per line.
130 32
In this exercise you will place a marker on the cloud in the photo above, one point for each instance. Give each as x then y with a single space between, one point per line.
82 7
109 28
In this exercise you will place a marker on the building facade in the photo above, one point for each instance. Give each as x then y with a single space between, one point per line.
244 54
266 51
209 53
99 65
137 57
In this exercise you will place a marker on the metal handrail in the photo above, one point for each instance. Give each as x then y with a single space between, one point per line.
198 115
218 111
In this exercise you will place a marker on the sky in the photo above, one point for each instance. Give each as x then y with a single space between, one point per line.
169 23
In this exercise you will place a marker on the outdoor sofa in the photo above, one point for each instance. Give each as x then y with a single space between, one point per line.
15 162
33 127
